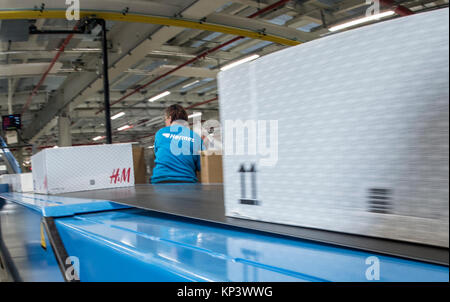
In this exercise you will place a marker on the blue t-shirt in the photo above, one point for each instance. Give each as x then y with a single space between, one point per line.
176 154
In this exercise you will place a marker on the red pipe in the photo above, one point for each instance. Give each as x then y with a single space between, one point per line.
398 9
200 56
268 8
44 76
201 103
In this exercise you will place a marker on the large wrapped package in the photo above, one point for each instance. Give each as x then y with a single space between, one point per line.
346 133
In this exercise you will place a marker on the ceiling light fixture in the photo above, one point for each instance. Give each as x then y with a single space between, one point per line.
124 128
120 114
190 84
195 114
86 49
159 96
362 20
239 62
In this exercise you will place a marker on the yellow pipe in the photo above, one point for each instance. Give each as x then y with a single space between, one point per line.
112 16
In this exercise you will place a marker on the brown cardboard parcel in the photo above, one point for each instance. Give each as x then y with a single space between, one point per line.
140 166
211 167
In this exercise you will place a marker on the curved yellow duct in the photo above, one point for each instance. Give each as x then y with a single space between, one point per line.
136 18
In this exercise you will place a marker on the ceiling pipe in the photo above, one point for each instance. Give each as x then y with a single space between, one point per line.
10 95
201 103
398 9
106 91
200 56
32 14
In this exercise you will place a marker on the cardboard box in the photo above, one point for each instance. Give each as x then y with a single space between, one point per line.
11 137
82 168
18 182
7 179
22 182
360 124
211 168
140 166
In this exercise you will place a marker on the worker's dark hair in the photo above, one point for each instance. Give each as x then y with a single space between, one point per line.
176 112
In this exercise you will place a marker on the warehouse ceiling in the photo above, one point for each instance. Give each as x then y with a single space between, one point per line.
141 53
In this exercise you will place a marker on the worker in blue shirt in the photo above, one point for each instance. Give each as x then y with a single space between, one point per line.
177 149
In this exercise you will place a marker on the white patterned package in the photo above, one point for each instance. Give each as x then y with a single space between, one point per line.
22 182
82 168
7 179
352 132
18 182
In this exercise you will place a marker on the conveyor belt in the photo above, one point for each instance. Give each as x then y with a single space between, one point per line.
206 202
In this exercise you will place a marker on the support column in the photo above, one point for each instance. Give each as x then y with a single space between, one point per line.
106 83
65 135
10 95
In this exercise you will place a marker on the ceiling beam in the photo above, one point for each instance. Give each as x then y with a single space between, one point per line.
27 69
184 72
21 98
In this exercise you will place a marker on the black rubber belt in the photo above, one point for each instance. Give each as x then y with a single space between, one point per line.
58 247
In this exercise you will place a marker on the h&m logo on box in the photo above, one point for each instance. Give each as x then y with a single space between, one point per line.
118 177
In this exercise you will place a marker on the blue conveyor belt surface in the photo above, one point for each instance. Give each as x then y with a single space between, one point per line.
138 245
57 206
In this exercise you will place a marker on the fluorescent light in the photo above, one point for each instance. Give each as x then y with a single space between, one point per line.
190 84
55 147
86 49
11 52
239 62
151 147
159 96
118 115
98 138
362 20
195 114
124 127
